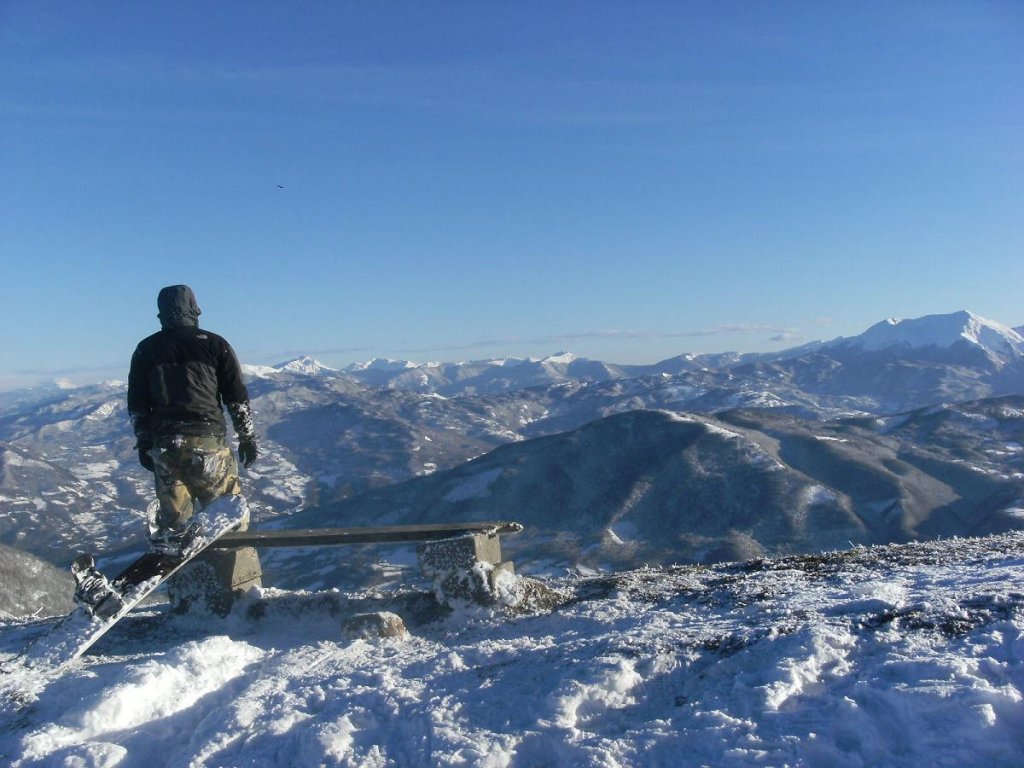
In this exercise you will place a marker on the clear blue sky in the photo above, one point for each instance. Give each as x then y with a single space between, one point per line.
460 180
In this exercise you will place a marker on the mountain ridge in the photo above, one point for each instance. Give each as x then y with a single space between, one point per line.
942 338
70 474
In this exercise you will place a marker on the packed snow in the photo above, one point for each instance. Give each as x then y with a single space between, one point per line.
899 656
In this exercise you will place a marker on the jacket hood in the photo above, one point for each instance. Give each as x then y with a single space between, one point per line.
178 307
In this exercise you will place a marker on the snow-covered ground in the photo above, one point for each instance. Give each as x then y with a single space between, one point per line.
894 656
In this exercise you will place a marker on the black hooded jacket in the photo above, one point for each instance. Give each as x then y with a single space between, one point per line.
182 376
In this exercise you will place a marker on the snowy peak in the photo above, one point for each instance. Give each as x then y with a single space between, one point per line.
258 371
562 358
497 362
305 364
942 331
474 377
381 364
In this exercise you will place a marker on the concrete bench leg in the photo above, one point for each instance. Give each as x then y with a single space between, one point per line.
215 579
464 567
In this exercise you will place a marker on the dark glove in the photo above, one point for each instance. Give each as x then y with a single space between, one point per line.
145 459
247 452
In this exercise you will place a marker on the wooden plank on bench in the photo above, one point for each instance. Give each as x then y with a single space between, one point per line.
318 537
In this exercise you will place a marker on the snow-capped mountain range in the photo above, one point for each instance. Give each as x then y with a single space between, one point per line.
69 477
956 338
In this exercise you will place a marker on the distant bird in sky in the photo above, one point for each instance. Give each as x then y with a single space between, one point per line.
280 186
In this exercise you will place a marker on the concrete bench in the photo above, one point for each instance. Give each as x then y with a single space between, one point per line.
463 559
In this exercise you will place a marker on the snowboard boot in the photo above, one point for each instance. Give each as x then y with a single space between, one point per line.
172 541
94 590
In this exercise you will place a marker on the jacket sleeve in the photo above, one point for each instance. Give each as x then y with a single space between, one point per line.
235 395
139 406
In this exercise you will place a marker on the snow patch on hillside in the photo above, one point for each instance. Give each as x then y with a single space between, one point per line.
13 459
103 411
728 434
474 487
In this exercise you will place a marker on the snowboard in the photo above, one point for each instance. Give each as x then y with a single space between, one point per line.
104 602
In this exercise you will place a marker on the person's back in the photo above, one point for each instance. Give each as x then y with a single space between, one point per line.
182 375
181 379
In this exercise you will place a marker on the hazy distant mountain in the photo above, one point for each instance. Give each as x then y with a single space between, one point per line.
305 364
14 399
902 364
483 376
689 362
379 371
894 365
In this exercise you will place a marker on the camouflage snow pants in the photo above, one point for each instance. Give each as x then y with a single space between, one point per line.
191 471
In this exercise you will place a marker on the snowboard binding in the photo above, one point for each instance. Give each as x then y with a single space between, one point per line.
93 590
176 542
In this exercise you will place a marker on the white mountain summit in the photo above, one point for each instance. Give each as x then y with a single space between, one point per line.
304 364
560 358
381 364
942 331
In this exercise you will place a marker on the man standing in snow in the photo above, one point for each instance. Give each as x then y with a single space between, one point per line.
181 379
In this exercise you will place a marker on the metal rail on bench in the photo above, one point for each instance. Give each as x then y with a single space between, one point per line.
318 537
